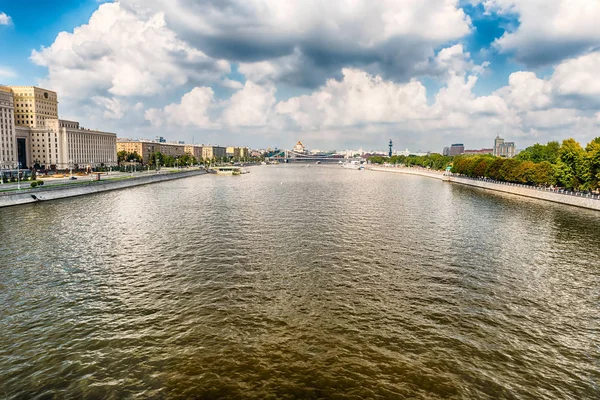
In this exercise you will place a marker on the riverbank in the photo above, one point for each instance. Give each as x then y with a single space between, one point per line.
27 196
588 202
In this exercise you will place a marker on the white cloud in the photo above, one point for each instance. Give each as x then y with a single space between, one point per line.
193 110
549 30
578 76
231 84
525 91
113 109
125 55
250 106
5 19
304 41
359 98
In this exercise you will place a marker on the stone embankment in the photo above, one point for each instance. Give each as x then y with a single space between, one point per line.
562 197
26 196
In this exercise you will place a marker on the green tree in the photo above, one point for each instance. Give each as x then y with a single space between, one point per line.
122 156
571 168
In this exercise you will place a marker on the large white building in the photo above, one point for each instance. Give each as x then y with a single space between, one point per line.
504 149
8 139
43 140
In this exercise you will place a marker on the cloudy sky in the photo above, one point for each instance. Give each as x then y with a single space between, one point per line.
335 74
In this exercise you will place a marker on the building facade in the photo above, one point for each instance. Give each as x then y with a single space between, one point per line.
233 152
146 148
9 156
480 152
504 149
61 144
194 151
34 105
209 152
42 140
456 149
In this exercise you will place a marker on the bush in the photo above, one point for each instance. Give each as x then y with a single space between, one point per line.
40 183
34 184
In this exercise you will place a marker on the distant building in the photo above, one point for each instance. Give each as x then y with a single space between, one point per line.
193 150
480 152
504 149
446 151
407 153
209 152
160 139
232 152
299 148
146 148
456 149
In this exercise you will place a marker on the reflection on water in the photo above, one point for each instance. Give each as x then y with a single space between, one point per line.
295 282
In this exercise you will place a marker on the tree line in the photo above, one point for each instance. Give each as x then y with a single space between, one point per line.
566 164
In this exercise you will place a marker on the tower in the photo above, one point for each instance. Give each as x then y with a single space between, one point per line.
390 153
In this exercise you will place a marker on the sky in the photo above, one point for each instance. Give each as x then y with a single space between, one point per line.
335 74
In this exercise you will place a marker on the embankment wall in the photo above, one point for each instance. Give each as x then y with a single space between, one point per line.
520 190
52 193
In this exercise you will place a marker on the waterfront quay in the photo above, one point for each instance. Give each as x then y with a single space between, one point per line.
64 187
561 196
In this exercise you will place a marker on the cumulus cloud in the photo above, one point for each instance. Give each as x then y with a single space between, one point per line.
113 109
250 106
192 111
123 54
231 84
304 42
5 19
549 30
358 98
578 76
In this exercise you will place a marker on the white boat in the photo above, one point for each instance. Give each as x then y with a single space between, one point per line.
353 165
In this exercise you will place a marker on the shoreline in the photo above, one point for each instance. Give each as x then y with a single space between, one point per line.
515 189
28 196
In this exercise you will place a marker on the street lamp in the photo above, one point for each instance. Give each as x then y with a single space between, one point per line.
19 176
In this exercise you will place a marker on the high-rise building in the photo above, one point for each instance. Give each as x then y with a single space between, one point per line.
504 149
456 149
8 139
34 105
44 141
446 151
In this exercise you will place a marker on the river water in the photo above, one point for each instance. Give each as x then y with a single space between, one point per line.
296 282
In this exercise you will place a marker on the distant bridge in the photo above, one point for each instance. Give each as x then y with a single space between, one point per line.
293 156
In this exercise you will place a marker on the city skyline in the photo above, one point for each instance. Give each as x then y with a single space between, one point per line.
337 75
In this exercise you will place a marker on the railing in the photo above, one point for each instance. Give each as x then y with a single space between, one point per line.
538 188
520 185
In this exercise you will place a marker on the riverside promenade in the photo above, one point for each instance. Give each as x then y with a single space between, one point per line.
591 202
26 196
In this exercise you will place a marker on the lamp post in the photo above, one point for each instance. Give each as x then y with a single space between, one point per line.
19 176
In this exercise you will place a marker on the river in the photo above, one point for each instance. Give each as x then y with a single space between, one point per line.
299 282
